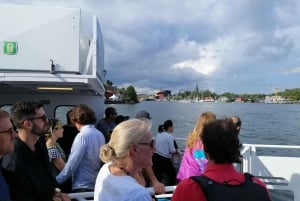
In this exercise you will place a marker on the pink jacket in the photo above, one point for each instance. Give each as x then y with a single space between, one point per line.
193 162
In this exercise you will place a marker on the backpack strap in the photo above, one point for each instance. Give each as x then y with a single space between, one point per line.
248 176
203 182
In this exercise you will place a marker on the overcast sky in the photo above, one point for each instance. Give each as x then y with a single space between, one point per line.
239 46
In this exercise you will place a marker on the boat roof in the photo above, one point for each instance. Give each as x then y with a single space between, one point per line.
47 82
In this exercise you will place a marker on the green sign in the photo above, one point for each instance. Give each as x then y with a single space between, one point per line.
10 48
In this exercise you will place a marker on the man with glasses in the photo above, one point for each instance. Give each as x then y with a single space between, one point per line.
7 134
27 169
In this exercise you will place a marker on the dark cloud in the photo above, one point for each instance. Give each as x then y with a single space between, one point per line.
224 45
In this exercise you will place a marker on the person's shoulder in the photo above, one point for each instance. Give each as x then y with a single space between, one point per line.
188 189
169 135
95 133
187 182
8 159
140 194
258 181
101 122
131 187
70 129
13 161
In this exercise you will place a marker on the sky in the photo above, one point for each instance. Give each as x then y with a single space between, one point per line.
248 46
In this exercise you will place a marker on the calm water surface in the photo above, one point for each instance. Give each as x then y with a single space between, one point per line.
261 123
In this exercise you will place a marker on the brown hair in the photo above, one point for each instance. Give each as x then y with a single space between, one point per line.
83 115
23 110
220 141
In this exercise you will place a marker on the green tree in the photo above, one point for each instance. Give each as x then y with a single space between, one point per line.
291 94
109 83
131 94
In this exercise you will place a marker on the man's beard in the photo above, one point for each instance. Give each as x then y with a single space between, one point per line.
39 131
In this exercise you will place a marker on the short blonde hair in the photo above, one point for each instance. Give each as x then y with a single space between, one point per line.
128 132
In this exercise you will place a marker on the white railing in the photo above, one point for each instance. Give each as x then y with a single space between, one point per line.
278 172
88 196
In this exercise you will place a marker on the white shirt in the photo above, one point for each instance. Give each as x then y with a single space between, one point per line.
118 188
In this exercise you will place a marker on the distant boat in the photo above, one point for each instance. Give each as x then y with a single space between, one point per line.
209 99
149 99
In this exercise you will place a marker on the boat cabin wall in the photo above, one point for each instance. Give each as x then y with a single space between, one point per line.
39 36
58 105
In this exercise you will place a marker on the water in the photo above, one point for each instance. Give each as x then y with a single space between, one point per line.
261 123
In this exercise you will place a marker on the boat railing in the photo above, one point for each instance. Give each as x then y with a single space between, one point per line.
88 196
84 196
278 171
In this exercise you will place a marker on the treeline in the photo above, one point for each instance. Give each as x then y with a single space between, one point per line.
129 94
289 94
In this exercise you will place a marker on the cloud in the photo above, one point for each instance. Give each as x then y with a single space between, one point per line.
292 70
206 63
224 45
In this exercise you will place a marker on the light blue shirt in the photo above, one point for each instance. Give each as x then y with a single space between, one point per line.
84 162
110 187
164 144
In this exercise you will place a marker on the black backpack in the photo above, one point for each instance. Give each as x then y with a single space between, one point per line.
249 190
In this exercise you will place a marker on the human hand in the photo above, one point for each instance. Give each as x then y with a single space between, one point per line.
158 187
58 196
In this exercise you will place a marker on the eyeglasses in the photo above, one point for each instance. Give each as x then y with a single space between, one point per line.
43 117
10 131
150 144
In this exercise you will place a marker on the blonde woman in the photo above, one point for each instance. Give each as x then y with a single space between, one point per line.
129 150
194 161
56 154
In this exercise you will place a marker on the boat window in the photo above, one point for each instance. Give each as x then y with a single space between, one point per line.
61 112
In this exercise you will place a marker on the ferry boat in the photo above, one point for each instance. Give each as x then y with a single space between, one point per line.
50 54
53 55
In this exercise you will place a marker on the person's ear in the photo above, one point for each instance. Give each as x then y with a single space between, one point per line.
27 124
133 150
